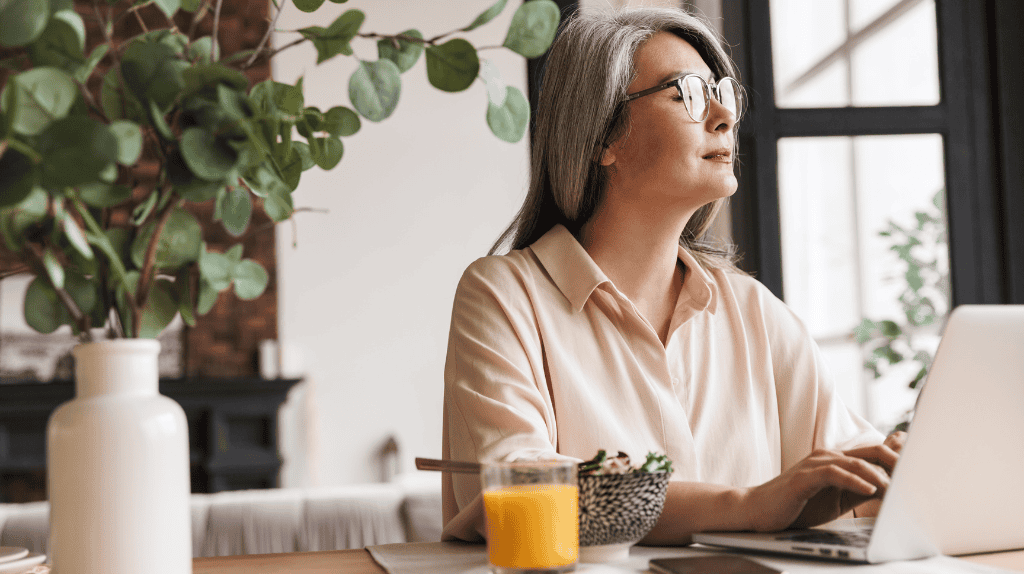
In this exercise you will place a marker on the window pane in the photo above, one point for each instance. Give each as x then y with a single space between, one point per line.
864 237
833 53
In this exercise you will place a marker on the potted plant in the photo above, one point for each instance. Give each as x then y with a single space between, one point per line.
95 187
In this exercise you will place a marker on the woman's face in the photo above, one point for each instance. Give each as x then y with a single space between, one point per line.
664 156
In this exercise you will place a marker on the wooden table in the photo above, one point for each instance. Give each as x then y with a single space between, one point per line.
359 561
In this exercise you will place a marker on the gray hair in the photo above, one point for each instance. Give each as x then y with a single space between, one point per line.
581 111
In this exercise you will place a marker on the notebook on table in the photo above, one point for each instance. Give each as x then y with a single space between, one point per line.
958 487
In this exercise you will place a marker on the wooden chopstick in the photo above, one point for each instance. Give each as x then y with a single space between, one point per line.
453 466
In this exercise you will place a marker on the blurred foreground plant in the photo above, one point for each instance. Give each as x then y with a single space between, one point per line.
924 298
69 160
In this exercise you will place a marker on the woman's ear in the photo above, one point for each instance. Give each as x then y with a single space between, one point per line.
607 156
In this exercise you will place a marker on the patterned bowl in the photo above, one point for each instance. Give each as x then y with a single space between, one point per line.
617 510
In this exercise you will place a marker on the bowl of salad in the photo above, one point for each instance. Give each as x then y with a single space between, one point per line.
619 503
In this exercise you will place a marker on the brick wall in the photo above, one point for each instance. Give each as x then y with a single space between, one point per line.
225 341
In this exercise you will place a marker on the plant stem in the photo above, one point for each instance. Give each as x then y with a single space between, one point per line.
135 10
405 37
282 48
15 271
81 319
216 25
266 37
197 17
149 264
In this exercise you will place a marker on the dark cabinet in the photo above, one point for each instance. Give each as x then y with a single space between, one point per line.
232 427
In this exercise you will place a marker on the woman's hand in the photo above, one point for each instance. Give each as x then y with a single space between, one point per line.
820 488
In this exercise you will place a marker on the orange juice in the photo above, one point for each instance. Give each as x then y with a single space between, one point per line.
533 526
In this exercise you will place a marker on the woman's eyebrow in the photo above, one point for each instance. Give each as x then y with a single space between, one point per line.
680 73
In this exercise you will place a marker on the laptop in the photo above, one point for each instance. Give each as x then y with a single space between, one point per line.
958 487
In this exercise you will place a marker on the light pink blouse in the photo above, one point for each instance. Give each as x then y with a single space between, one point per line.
547 359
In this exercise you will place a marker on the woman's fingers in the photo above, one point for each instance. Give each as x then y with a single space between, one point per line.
880 454
896 440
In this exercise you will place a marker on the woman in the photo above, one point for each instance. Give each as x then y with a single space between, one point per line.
613 324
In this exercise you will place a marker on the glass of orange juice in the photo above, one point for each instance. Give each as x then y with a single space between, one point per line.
530 510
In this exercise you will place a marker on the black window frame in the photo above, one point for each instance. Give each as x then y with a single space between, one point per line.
978 117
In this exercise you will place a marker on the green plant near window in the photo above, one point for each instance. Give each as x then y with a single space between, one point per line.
67 160
922 249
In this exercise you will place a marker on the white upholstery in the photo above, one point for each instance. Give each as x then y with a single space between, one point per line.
281 520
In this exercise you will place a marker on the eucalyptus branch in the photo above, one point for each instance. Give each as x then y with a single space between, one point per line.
197 17
84 322
281 49
405 37
216 25
266 37
15 271
26 150
135 10
149 264
3 148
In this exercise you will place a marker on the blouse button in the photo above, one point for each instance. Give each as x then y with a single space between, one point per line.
675 381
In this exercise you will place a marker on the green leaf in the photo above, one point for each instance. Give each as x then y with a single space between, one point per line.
53 269
487 15
235 253
75 236
62 43
22 21
334 39
250 279
407 53
277 201
308 5
75 151
17 178
43 311
304 155
329 152
100 195
190 5
183 287
160 308
179 243
152 72
83 72
206 78
39 96
533 28
235 210
207 298
509 120
215 270
129 141
453 66
889 329
864 331
199 51
374 89
168 7
341 121
142 211
270 96
207 156
117 102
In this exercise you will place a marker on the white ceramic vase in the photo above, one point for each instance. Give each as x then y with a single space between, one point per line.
118 467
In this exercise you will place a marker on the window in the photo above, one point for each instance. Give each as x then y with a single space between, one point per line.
871 128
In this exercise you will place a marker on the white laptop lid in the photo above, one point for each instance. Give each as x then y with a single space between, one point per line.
959 485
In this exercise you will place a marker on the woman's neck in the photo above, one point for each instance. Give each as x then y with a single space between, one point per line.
639 251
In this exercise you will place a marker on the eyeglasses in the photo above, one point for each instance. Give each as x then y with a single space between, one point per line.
696 95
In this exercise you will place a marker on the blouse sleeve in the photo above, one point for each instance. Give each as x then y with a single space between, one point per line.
496 401
811 413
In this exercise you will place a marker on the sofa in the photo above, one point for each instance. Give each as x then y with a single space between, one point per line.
407 509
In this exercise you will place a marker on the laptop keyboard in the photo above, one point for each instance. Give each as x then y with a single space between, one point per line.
853 539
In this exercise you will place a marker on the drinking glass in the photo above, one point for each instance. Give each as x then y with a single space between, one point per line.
531 514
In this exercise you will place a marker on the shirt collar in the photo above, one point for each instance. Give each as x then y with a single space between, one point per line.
572 270
576 274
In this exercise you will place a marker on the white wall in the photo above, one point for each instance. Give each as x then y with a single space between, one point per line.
366 295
